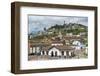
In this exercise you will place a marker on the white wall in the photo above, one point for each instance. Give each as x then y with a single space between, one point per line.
5 33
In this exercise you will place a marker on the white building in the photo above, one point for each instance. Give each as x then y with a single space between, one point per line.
56 51
78 43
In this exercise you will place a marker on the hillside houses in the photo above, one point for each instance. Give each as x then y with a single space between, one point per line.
59 41
57 47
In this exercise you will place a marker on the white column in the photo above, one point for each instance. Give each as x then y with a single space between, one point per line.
41 53
86 50
64 53
30 50
69 53
54 53
45 53
37 49
33 50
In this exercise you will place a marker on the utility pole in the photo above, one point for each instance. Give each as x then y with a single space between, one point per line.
64 22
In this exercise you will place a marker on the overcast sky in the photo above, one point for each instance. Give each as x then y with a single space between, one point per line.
38 23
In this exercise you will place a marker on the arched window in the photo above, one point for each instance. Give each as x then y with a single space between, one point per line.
52 54
66 53
62 52
47 52
43 52
56 53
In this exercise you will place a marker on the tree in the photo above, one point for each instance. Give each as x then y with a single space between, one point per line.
45 29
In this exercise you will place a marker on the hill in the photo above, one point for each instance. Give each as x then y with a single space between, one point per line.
68 28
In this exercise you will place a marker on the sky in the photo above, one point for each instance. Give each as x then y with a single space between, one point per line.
39 22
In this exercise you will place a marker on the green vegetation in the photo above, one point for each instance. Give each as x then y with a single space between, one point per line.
56 30
69 28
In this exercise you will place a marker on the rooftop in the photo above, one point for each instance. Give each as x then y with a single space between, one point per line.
61 48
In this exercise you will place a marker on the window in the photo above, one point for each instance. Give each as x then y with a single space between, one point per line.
62 52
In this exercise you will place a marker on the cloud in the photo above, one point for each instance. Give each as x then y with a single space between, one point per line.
38 23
